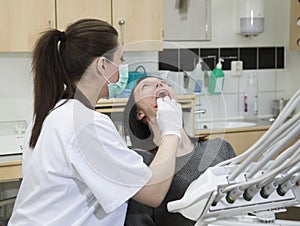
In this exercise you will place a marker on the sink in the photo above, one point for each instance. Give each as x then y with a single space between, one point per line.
224 124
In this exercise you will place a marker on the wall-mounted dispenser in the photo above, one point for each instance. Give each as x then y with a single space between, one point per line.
251 17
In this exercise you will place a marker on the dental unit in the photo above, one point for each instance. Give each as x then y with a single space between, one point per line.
261 181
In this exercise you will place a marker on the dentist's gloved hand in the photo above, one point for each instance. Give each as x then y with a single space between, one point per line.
169 116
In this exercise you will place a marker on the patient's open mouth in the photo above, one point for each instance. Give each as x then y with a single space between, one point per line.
160 94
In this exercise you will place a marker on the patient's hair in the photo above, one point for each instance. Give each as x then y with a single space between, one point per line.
140 134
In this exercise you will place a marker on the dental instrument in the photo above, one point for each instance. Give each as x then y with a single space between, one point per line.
252 182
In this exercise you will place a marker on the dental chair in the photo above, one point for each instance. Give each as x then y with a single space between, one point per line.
252 187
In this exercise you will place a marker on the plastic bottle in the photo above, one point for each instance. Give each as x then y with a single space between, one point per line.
195 85
216 79
250 99
196 77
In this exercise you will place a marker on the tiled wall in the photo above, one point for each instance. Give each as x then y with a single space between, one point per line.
267 63
253 58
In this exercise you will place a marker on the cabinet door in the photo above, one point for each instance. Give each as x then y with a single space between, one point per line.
68 11
139 23
22 22
295 25
190 22
243 140
240 141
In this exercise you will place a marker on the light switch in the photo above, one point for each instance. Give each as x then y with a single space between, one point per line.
236 68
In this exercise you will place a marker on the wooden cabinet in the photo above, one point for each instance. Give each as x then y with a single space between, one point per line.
68 11
139 22
22 22
240 139
294 25
192 23
10 170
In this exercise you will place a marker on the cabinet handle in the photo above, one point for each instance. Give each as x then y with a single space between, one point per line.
50 22
298 22
121 23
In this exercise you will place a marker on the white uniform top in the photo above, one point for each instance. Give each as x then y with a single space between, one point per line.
79 173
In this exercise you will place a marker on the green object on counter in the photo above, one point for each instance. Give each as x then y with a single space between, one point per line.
216 79
133 76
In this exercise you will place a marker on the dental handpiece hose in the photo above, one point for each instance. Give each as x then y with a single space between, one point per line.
291 105
262 140
284 155
257 149
289 175
276 149
280 119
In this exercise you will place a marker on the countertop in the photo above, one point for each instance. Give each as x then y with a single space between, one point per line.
261 124
10 167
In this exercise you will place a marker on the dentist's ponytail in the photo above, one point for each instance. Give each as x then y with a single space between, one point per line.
60 60
48 79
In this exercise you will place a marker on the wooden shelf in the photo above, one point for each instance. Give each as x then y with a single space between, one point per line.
114 105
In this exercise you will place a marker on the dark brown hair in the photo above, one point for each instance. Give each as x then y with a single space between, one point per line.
139 133
61 58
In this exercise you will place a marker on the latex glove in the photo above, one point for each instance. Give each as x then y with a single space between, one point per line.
169 116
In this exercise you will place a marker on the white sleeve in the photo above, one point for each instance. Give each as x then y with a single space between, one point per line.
113 172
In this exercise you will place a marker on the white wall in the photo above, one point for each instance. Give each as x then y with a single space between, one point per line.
16 89
276 33
225 15
273 84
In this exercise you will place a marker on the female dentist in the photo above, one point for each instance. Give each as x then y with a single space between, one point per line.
77 170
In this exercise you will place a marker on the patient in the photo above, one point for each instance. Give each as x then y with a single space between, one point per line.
194 156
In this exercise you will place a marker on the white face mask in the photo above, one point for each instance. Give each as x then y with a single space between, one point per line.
116 88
